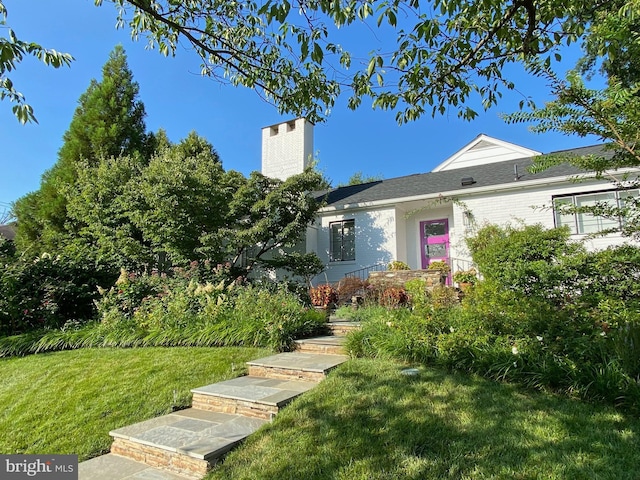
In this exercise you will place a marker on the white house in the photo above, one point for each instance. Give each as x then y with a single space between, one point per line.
425 217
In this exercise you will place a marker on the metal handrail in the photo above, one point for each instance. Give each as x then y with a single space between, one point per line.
363 273
458 264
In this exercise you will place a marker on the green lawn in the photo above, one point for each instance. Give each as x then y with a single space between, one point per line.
367 421
67 402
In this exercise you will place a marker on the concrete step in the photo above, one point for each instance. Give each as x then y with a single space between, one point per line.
331 345
342 327
115 467
258 397
310 367
188 442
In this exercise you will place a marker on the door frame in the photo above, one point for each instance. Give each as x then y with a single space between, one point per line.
435 239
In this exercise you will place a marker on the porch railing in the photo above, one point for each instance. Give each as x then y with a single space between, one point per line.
363 273
458 264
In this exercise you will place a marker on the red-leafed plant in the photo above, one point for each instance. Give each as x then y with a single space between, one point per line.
323 295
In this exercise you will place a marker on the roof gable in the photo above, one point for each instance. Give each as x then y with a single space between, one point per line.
484 150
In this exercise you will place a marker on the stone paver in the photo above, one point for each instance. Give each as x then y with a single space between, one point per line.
185 444
309 362
257 389
115 467
200 436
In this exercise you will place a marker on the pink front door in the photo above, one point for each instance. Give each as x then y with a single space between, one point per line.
434 241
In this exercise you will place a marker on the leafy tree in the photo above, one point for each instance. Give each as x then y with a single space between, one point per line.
358 178
182 206
612 113
12 51
436 57
108 122
180 200
269 215
100 206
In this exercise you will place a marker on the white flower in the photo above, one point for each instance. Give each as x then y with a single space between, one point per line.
539 338
514 350
451 329
604 334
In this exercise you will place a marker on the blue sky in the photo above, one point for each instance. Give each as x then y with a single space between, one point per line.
179 100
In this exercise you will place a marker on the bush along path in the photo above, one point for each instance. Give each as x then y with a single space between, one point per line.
186 444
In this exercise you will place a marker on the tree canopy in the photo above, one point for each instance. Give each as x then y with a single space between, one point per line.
433 57
12 52
109 121
297 54
610 113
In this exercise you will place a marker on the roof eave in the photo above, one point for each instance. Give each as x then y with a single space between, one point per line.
516 185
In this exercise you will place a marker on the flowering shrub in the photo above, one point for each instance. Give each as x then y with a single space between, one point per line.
130 291
323 295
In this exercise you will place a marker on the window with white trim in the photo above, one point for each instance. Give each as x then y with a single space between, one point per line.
342 241
584 223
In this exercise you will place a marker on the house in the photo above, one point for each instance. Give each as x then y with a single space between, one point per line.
425 217
8 231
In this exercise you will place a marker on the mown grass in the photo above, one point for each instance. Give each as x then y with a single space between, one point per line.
67 402
368 421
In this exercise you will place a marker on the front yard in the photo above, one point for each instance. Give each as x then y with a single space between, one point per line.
367 420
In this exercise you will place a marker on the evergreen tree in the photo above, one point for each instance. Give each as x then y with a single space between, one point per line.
108 122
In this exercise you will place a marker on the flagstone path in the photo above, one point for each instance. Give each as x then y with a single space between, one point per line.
186 444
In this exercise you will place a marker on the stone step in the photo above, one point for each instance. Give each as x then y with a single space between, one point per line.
188 442
331 345
115 467
342 327
311 367
250 396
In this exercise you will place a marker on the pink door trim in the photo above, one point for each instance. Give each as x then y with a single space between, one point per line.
437 240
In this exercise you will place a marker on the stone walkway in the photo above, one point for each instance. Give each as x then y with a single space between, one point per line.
188 443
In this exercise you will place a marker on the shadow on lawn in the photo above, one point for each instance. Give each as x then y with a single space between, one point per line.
369 421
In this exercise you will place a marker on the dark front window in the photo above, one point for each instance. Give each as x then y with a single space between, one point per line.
343 240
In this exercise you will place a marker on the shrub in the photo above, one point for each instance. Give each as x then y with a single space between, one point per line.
548 315
418 294
393 333
439 265
323 295
273 320
349 287
188 314
532 260
393 297
466 276
398 265
47 292
128 294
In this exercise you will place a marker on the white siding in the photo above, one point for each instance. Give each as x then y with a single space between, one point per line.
414 259
287 148
375 241
483 150
530 206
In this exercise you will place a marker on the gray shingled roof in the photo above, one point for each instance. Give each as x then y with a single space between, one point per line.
8 231
501 173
